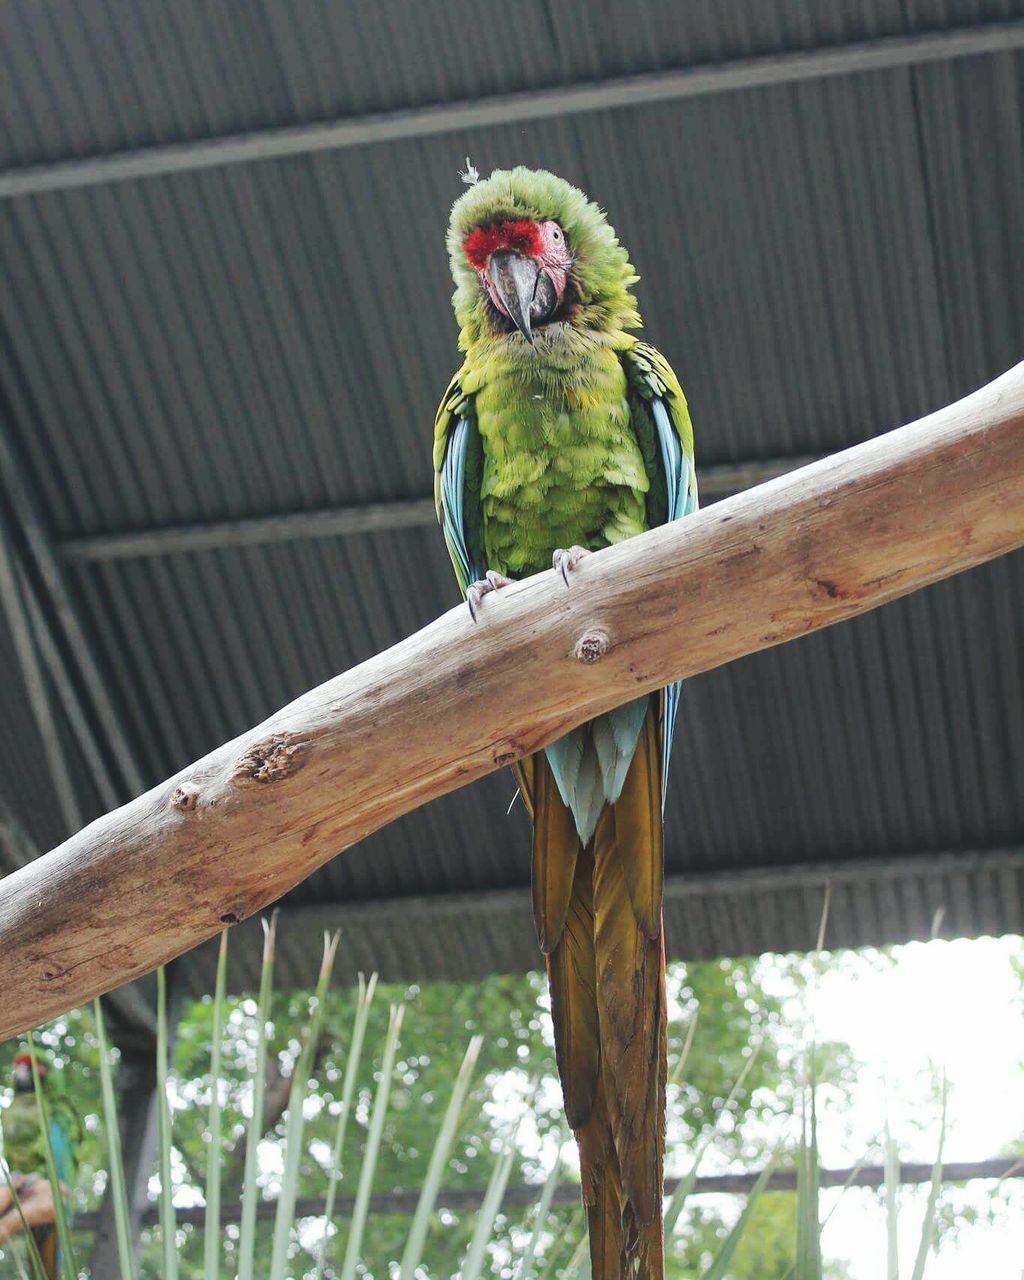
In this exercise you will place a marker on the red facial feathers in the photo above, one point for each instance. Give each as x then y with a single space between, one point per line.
522 237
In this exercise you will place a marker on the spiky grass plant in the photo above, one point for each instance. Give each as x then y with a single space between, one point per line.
284 1219
67 1264
809 1264
538 1257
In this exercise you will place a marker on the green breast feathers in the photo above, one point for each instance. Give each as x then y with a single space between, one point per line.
557 469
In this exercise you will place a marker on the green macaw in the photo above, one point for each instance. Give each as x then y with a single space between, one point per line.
25 1149
563 433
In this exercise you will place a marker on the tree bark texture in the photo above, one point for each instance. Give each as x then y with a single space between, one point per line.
234 831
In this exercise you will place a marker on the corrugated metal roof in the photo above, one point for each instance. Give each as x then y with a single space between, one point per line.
820 260
81 79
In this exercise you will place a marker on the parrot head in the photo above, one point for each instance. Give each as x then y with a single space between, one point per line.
524 266
23 1080
534 261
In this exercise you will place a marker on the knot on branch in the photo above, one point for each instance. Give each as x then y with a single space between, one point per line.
185 797
592 646
270 761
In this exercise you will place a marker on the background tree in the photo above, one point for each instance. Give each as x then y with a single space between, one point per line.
515 1080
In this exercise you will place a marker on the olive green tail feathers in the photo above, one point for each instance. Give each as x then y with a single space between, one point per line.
598 914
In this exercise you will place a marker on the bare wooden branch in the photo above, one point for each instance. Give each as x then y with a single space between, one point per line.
234 831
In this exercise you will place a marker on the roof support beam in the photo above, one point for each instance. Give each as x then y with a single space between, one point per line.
312 920
763 71
16 846
234 831
396 937
13 591
60 679
63 642
525 1194
337 522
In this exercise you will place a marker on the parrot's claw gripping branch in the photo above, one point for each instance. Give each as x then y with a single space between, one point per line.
153 879
476 591
565 561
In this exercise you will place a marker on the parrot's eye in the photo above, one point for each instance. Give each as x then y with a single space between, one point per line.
556 235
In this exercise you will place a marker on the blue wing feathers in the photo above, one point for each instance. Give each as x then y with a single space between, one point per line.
616 736
681 483
671 456
565 757
453 488
589 763
63 1157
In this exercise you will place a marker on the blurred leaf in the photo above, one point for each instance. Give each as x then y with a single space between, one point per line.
435 1172
168 1230
473 1266
892 1190
285 1214
250 1189
686 1184
211 1231
540 1221
928 1225
364 1000
111 1123
719 1267
380 1106
66 1251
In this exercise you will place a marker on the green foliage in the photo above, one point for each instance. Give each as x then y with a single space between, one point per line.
516 1050
764 1251
168 1229
73 1051
370 1120
115 1158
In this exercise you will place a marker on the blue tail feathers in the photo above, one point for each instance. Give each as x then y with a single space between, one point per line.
590 763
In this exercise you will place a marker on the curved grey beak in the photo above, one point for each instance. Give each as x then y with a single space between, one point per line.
515 281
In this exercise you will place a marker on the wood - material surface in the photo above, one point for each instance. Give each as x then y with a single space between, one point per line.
234 831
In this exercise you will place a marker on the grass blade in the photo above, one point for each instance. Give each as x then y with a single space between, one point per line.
380 1107
473 1266
118 1190
168 1225
808 1191
684 1052
68 1265
543 1209
413 1251
250 1189
719 1267
38 1271
576 1267
366 991
850 1179
211 1228
808 1231
19 1263
928 1225
285 1214
569 1231
812 1188
686 1184
892 1187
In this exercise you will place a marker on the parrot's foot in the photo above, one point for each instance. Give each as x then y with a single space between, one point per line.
477 590
564 560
